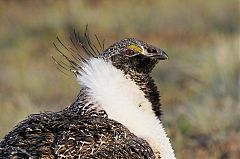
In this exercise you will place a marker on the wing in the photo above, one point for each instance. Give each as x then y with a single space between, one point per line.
53 135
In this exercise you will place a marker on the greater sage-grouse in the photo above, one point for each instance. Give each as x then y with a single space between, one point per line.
116 114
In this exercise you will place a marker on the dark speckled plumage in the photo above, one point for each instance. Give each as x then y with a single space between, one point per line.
55 135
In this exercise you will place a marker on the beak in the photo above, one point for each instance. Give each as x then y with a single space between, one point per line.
159 55
162 55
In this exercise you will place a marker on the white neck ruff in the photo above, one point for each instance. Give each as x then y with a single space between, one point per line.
120 98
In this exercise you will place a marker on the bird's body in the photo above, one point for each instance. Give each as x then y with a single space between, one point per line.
116 114
54 135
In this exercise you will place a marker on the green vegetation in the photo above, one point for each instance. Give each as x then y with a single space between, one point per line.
199 84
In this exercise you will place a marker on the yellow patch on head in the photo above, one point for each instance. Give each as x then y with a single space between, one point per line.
135 48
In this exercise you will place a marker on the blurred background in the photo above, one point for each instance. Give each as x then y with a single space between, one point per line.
199 84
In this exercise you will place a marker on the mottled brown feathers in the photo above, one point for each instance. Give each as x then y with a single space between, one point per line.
54 135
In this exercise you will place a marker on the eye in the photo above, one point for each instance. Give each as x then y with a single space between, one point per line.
130 52
151 50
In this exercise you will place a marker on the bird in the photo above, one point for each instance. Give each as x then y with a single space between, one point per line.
116 114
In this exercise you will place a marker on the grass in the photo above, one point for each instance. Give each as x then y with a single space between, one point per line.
199 84
205 122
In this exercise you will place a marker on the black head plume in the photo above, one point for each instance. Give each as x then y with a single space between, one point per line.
80 48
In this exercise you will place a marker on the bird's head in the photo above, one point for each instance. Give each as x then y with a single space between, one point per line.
134 54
